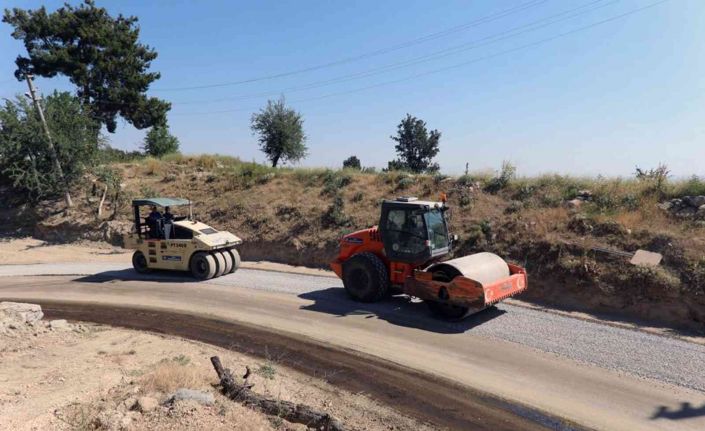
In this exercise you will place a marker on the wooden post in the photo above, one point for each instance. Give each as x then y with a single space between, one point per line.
52 150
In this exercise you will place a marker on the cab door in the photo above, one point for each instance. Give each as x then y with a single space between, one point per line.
404 233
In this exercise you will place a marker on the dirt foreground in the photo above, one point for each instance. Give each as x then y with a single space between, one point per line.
68 376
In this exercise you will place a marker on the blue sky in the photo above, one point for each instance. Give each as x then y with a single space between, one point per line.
532 82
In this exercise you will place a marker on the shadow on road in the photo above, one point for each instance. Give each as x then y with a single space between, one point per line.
130 274
686 411
397 310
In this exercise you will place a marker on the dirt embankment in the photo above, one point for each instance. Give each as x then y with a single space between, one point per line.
296 217
64 376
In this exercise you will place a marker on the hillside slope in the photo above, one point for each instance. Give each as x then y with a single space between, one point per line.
561 229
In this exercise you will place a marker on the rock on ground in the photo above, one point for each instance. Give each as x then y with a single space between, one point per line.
184 394
20 312
60 324
694 201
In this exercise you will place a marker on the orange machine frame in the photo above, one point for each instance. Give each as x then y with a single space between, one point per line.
460 291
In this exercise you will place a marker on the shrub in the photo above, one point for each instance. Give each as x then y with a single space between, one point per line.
248 174
655 178
170 375
309 177
694 186
334 181
107 154
501 181
439 178
631 202
148 192
335 214
358 196
524 192
465 180
267 370
405 182
352 162
694 277
465 199
152 166
206 161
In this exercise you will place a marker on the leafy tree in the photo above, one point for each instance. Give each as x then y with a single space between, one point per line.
416 147
281 133
100 54
160 142
25 161
352 162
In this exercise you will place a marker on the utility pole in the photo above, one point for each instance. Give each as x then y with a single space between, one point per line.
52 150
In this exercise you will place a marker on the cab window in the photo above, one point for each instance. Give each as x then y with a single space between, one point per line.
437 230
406 232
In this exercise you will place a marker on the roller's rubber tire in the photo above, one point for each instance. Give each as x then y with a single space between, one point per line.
228 261
365 277
202 266
236 259
220 264
139 262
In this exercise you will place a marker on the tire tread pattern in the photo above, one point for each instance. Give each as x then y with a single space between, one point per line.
380 274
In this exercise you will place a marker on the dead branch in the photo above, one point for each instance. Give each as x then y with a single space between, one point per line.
296 413
102 201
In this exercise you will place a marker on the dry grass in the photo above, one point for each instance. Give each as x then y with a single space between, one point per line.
168 376
152 166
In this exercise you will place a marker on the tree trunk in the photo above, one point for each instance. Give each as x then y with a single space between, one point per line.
296 413
275 160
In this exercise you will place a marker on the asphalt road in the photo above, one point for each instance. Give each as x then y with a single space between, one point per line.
598 375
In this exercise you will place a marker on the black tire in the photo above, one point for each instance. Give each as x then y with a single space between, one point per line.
365 277
139 262
236 259
202 266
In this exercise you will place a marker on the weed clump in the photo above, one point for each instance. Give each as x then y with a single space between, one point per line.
335 214
405 182
358 197
267 370
500 182
334 181
247 175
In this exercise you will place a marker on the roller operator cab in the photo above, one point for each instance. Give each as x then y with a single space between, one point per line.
168 237
405 252
414 231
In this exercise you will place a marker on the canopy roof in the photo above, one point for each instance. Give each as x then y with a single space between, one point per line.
161 202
